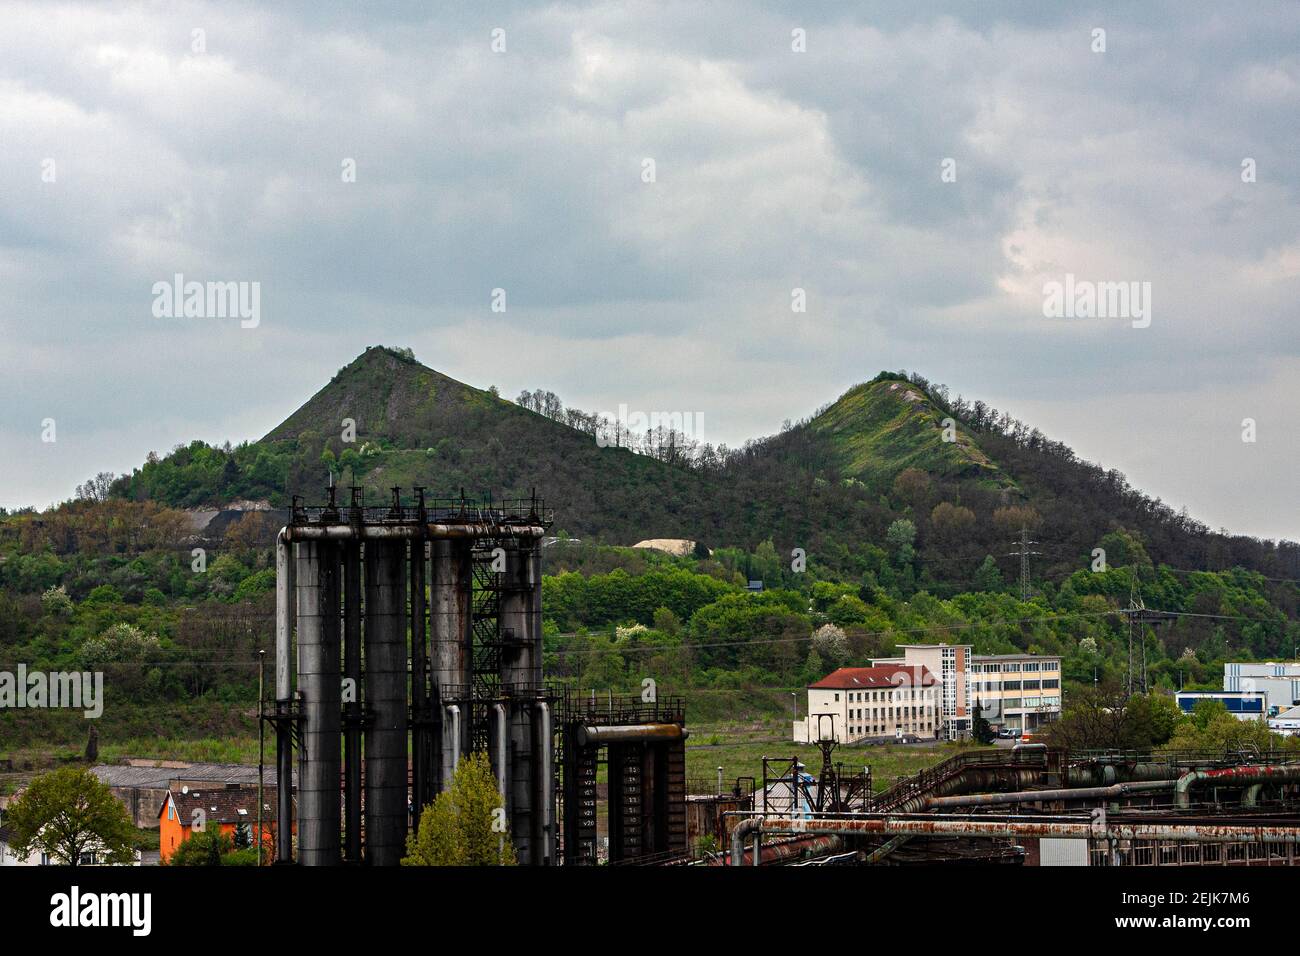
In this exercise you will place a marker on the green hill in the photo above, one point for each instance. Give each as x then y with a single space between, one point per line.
882 427
829 485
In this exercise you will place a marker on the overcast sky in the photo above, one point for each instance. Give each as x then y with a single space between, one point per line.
133 148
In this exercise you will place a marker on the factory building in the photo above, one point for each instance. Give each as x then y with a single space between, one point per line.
1279 683
1016 692
860 703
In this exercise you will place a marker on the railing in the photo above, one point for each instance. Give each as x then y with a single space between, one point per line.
926 781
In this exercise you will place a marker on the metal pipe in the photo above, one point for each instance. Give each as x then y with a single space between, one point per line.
974 778
283 701
1035 796
520 677
978 827
589 734
386 739
738 834
886 848
547 782
451 748
450 635
319 804
422 713
352 708
501 751
1250 796
1231 776
283 594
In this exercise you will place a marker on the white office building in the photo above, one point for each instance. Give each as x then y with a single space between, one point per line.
1279 683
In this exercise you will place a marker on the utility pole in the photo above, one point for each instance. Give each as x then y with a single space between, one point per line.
1022 551
261 748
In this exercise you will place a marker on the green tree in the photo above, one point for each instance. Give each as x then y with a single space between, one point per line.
987 576
464 825
901 536
205 848
67 813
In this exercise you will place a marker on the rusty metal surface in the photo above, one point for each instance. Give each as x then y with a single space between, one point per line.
1075 827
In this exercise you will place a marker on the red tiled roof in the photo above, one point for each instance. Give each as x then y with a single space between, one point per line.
887 675
221 804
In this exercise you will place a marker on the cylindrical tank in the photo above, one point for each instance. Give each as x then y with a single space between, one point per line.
352 706
450 592
521 680
385 665
319 761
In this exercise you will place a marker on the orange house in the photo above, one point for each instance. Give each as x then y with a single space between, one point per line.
225 806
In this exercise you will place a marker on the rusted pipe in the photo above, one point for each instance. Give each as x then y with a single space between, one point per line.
589 734
1034 796
1231 776
1099 828
972 778
738 834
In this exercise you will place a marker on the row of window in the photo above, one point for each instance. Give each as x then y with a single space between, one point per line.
860 713
878 729
1011 702
1050 683
1032 667
865 696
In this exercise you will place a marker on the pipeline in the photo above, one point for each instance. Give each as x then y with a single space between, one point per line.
1232 776
1034 796
1097 829
971 778
592 734
545 745
283 699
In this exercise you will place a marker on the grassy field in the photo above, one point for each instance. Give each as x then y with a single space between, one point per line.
739 749
737 744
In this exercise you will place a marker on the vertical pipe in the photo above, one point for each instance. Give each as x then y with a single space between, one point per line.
546 786
501 760
318 685
451 636
385 758
520 680
451 744
283 700
421 712
352 708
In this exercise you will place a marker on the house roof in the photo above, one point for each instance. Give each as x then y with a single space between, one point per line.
856 678
159 774
220 804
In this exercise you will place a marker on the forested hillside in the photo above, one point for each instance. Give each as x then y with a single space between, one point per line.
890 516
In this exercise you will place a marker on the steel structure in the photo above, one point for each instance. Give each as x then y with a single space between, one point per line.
1132 808
407 636
645 756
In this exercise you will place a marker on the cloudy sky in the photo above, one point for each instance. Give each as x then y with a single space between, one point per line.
133 148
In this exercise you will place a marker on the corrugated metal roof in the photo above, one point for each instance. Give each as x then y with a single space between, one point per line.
158 778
